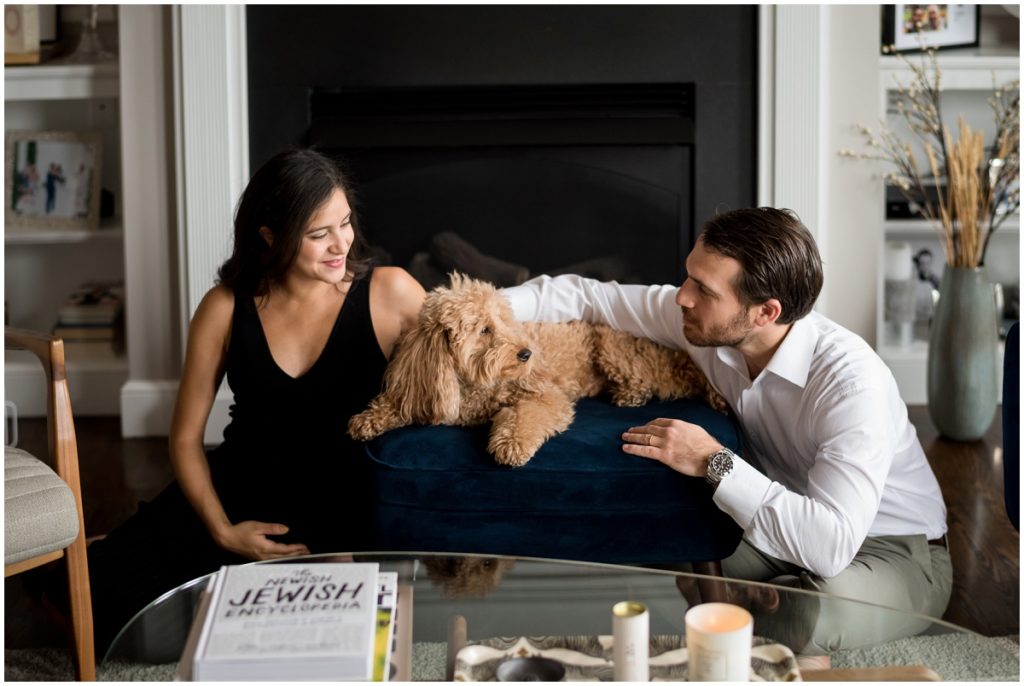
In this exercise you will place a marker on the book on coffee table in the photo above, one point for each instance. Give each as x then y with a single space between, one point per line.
387 599
288 622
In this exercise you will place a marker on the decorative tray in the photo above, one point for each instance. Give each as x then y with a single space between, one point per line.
589 658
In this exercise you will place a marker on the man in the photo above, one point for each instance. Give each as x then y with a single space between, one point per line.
842 500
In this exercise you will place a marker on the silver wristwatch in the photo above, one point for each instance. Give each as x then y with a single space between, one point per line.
720 464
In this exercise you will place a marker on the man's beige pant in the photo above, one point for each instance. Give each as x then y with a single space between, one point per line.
902 572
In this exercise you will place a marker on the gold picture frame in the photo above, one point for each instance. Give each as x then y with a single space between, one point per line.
52 180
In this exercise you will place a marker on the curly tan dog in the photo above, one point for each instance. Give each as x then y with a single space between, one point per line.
468 361
467 577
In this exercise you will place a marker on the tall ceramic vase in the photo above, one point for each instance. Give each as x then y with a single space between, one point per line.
962 350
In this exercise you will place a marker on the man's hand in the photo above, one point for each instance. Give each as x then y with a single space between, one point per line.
249 539
682 446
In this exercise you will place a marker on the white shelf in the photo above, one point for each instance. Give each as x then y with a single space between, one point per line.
61 82
110 230
917 350
95 381
961 70
917 228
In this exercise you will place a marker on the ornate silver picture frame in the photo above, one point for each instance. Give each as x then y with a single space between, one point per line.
52 180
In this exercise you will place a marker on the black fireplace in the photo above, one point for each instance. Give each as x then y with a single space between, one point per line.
579 178
592 139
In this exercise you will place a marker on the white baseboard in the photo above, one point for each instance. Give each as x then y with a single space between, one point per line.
147 408
94 386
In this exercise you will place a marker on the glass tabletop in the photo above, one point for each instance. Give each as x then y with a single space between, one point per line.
459 599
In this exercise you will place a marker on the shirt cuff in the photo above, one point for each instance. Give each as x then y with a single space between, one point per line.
741 493
525 298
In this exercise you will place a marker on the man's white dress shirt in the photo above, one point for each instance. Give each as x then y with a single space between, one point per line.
824 420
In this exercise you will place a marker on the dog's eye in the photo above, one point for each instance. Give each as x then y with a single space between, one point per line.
486 331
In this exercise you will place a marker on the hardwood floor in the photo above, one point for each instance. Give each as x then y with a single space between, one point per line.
116 474
984 546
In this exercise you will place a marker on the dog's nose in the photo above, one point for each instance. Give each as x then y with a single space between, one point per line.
524 354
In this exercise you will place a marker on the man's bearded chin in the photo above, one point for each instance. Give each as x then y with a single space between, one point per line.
731 335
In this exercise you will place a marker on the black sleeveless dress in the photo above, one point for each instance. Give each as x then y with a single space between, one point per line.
286 458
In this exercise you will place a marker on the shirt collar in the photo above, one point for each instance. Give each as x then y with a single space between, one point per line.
792 361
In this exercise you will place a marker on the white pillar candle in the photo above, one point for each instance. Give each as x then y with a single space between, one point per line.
899 261
718 640
631 634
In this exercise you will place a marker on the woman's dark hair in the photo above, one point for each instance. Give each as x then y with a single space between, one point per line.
283 195
777 255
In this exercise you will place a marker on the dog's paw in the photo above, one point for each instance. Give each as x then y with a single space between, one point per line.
510 452
366 425
625 396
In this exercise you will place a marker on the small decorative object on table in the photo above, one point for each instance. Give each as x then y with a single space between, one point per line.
977 188
590 658
631 631
719 638
531 669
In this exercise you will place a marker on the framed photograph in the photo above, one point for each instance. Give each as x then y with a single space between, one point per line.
913 28
52 180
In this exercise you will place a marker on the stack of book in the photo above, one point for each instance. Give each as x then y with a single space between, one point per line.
91 322
294 622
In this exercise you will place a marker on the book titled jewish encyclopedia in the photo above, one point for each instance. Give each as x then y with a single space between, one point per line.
290 622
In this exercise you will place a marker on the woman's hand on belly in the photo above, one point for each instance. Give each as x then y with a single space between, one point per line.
249 539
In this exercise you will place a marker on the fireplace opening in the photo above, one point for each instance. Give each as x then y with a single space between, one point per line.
517 181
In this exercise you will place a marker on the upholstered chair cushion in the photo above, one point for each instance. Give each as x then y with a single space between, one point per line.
580 497
39 510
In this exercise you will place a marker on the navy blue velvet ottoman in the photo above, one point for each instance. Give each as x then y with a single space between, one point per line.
579 498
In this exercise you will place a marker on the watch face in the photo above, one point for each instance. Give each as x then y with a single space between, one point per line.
721 464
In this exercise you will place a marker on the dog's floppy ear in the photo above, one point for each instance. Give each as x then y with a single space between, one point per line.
421 380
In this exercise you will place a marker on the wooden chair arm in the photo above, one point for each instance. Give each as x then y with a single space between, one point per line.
47 347
63 444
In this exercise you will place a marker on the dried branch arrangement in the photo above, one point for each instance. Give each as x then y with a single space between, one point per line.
976 186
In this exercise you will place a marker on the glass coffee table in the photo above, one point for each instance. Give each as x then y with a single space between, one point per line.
516 606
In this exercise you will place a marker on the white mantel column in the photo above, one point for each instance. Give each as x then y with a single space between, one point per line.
819 77
213 127
798 114
213 153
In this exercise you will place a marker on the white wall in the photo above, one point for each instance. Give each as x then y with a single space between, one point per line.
147 139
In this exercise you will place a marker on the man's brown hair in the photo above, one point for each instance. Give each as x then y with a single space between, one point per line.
777 254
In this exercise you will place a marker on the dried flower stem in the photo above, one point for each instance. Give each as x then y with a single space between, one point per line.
982 184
